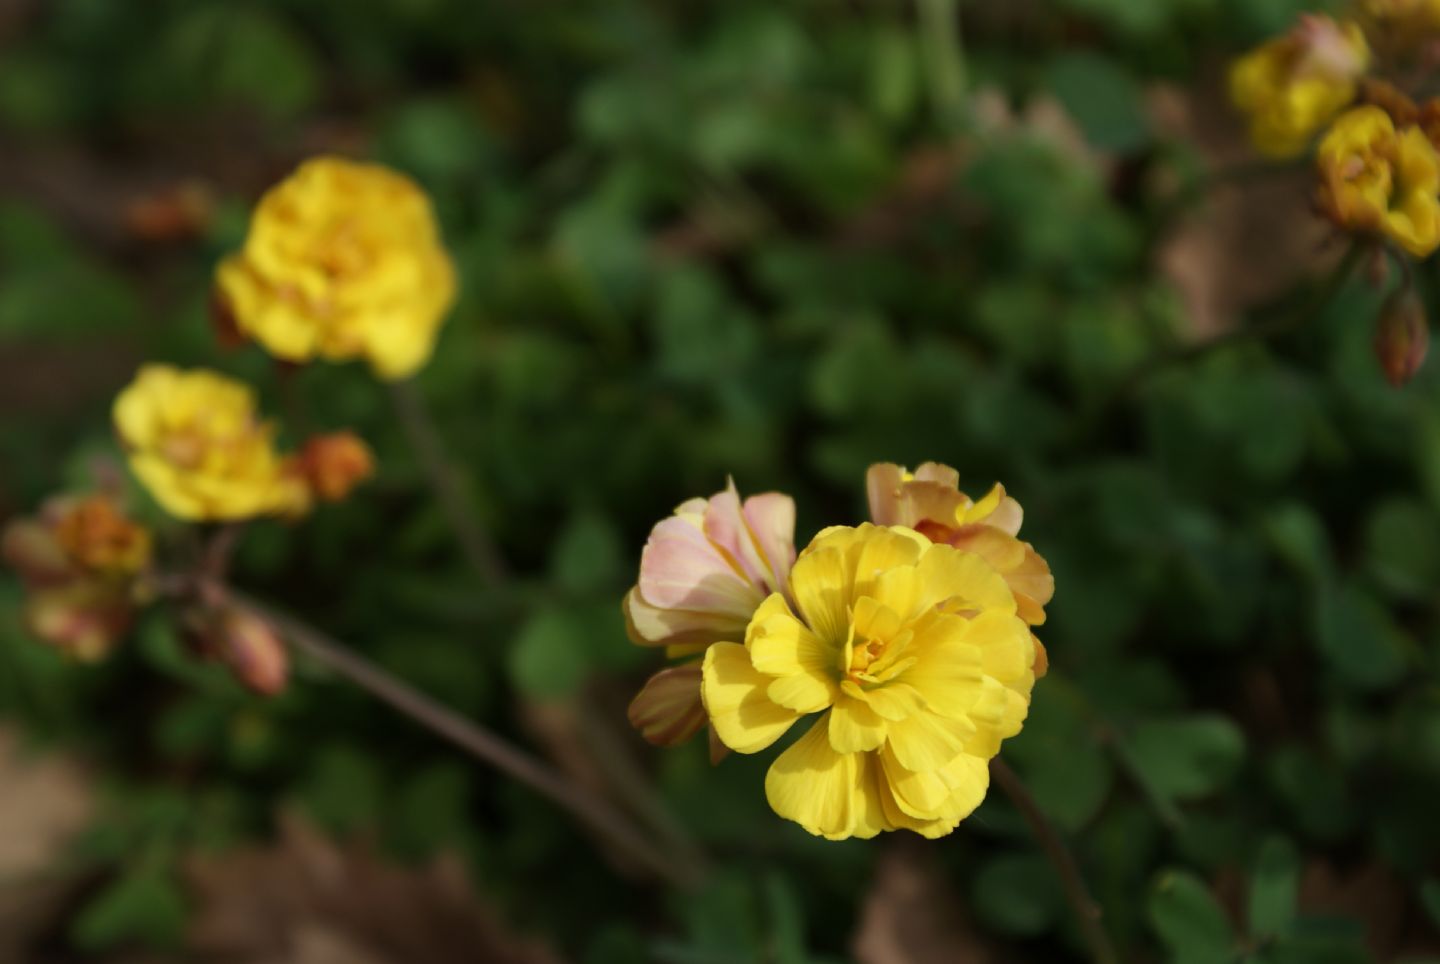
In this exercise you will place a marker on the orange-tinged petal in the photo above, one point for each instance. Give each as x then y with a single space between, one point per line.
668 710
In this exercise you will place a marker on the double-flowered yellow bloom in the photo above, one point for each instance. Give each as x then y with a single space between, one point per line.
1293 85
1380 178
343 260
915 657
196 442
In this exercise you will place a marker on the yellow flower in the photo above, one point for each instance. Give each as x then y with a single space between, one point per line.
1293 85
343 260
196 443
1376 178
915 656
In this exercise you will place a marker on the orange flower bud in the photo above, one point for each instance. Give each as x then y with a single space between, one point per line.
252 649
99 537
1402 336
334 464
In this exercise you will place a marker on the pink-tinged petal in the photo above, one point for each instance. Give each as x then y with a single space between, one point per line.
667 711
680 569
998 511
650 625
883 486
939 473
771 520
725 527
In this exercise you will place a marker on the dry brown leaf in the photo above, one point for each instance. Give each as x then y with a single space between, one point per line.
307 900
1250 239
48 799
911 916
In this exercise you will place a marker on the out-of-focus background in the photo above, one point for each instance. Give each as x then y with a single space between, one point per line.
776 241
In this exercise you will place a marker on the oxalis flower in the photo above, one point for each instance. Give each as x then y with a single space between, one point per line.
1293 85
704 572
196 442
343 260
1378 178
915 656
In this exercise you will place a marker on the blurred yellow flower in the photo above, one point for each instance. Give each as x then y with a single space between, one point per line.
1293 85
915 656
929 500
704 572
1377 178
196 443
343 260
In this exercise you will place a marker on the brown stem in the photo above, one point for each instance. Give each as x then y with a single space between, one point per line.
475 543
485 746
1086 910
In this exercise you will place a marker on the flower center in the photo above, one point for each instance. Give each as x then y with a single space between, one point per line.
864 654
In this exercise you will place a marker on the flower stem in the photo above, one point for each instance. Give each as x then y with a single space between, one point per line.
1086 910
475 542
939 24
483 745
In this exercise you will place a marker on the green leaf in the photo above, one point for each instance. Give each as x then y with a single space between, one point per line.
144 905
1430 899
1102 98
1017 894
1188 919
1358 638
1402 547
588 557
1274 888
548 659
1189 757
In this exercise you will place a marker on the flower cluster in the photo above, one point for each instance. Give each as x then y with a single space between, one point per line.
1326 86
907 640
81 560
343 260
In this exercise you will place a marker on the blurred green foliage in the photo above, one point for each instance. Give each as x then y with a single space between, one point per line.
728 238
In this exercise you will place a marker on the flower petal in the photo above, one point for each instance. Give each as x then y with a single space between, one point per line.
855 726
681 569
819 788
927 741
668 710
741 713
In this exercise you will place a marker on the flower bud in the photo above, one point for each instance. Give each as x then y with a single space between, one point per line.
335 463
252 649
100 538
1402 336
83 619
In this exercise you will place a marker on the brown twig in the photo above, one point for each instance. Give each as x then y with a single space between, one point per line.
480 743
1086 910
475 542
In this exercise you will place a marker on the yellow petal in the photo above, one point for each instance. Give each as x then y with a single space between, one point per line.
927 741
741 713
855 726
818 788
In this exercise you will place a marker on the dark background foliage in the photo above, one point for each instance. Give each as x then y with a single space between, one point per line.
778 241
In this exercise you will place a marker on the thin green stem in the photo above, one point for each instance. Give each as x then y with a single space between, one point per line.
685 870
1269 328
480 552
944 55
1087 911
